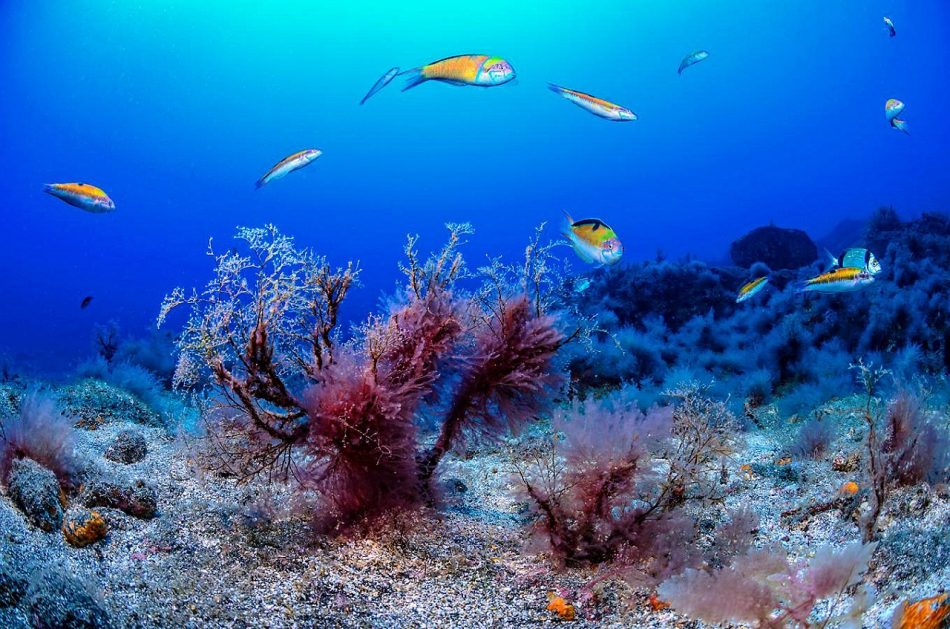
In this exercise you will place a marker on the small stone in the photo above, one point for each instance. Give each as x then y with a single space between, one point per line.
135 498
82 527
846 462
36 492
128 447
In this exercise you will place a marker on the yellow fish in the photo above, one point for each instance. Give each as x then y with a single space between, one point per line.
593 241
596 106
289 164
82 195
751 289
480 70
841 280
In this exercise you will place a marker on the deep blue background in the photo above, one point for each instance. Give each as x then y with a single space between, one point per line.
176 108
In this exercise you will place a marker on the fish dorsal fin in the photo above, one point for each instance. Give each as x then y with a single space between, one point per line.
595 223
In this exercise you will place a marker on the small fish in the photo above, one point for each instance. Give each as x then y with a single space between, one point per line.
855 258
751 289
288 165
596 106
581 284
383 81
85 302
889 23
480 70
593 241
692 59
842 280
900 125
892 108
82 195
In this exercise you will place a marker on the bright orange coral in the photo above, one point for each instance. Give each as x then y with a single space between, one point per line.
559 606
849 489
927 613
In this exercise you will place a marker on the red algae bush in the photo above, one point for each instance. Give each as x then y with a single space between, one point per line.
297 399
612 486
41 433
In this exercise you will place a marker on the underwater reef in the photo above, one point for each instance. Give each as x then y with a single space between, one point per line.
498 446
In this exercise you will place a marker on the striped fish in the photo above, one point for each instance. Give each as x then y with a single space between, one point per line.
751 289
596 106
288 165
692 59
480 70
82 195
841 280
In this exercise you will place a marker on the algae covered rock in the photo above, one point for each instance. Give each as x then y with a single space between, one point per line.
56 599
82 527
128 447
93 403
36 492
135 497
777 247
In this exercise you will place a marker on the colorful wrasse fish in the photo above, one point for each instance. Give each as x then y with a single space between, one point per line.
892 108
596 106
841 280
593 241
855 258
751 289
889 23
480 70
288 165
382 82
692 59
900 125
82 195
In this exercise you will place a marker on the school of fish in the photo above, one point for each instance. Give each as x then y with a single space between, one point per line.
593 241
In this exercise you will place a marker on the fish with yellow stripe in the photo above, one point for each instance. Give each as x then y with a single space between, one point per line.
593 241
842 280
750 290
596 106
82 195
479 70
288 165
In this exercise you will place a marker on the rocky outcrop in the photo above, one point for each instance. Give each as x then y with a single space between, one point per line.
82 527
777 247
128 447
135 498
36 492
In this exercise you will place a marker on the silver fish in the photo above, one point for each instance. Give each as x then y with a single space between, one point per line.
692 59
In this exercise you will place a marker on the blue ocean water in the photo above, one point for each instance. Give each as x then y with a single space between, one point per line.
176 108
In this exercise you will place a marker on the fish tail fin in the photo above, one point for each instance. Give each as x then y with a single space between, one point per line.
557 89
259 183
566 225
832 260
413 78
801 287
49 187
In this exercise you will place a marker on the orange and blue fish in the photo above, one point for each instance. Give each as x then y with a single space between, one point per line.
750 290
479 70
692 59
82 195
383 81
596 106
593 241
288 165
841 280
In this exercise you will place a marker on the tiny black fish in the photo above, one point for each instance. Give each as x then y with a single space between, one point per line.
85 302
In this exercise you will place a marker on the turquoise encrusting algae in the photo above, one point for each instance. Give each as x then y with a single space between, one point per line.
509 435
